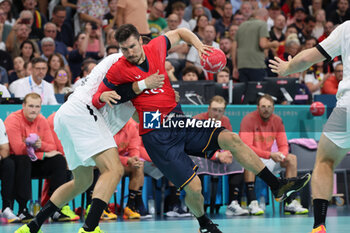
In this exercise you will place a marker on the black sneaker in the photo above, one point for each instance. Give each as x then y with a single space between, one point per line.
177 211
289 186
58 216
141 209
210 228
25 216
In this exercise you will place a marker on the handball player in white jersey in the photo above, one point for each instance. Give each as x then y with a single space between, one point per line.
86 135
335 139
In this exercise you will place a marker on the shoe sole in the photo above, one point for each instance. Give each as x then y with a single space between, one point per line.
285 196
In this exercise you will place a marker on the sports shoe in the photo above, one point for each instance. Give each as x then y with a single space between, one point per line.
87 211
97 230
70 213
177 211
10 216
25 216
108 215
58 216
295 208
254 208
289 186
210 228
25 229
141 209
234 209
320 229
130 214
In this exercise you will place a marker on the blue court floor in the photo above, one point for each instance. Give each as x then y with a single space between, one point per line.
338 221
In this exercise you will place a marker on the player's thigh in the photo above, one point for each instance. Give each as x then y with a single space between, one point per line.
108 160
328 151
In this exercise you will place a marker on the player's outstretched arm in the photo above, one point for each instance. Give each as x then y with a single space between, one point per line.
300 62
189 37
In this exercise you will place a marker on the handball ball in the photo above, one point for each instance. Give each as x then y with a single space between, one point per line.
215 62
317 108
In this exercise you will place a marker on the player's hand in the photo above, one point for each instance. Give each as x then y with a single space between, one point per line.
109 97
204 49
279 66
37 144
278 157
155 80
225 157
135 162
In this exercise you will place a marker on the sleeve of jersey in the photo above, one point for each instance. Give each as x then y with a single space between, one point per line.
331 46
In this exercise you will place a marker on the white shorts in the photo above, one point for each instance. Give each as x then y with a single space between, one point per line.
274 167
83 133
337 128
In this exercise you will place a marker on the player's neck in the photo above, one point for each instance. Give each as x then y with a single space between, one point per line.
143 58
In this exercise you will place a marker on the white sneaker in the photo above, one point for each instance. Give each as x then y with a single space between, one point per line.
235 209
254 208
10 216
295 208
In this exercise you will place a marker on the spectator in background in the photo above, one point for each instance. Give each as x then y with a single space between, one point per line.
314 78
222 25
6 60
202 22
197 11
19 71
65 31
6 5
292 46
310 42
276 32
328 28
259 130
299 17
95 40
50 30
28 50
188 10
223 76
20 127
218 10
92 11
238 18
19 33
330 86
5 29
320 17
246 10
61 82
54 62
71 8
248 50
28 68
315 6
341 14
112 49
35 83
190 73
7 176
281 48
79 54
133 12
38 18
226 46
178 8
4 80
110 39
155 21
110 19
87 66
193 57
309 25
170 71
274 11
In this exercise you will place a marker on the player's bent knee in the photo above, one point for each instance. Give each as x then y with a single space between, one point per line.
228 139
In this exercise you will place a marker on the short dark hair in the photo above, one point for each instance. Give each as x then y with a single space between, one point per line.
38 60
111 47
58 8
266 96
190 69
125 31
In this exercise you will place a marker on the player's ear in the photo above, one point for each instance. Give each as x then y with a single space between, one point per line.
140 40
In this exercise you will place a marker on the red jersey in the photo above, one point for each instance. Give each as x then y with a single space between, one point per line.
162 99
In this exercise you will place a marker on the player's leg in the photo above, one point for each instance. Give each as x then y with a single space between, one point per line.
252 202
111 171
82 180
194 198
328 157
250 161
136 181
290 164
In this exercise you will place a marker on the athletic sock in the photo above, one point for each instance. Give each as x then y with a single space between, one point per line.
251 196
203 220
43 214
131 199
269 178
235 193
96 210
320 212
291 198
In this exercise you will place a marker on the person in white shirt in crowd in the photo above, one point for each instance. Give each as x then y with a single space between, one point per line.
35 83
4 93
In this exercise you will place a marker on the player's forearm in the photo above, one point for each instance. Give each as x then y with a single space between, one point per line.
304 60
4 150
189 37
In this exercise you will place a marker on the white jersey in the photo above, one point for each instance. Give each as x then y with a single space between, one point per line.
338 43
115 117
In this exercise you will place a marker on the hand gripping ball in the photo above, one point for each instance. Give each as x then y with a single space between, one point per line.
317 108
215 62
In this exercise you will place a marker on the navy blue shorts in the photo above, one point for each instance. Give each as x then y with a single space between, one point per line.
169 149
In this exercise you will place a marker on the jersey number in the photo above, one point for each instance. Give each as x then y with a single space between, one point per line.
154 91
